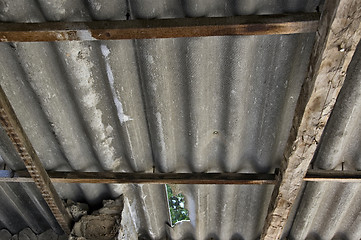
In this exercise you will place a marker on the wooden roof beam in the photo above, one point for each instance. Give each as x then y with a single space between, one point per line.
336 39
12 126
159 28
177 178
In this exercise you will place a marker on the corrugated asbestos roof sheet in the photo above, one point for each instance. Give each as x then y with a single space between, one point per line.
212 104
328 211
23 206
332 210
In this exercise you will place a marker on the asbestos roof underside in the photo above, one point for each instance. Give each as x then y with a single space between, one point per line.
211 104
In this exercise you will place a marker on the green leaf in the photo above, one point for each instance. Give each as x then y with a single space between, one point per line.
176 206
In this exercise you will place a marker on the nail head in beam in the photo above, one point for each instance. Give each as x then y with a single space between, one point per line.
339 26
13 128
159 28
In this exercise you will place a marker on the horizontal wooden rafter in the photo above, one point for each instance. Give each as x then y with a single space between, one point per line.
178 178
159 28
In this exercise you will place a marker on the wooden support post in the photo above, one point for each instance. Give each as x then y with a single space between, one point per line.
27 153
159 28
336 40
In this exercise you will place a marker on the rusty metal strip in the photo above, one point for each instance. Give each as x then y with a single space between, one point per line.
27 153
336 40
159 28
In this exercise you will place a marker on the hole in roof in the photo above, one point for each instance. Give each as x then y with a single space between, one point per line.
176 207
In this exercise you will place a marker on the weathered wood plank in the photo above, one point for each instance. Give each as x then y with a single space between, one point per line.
27 153
336 40
159 28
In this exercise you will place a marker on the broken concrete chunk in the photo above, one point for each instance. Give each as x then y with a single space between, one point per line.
76 210
102 224
111 207
102 227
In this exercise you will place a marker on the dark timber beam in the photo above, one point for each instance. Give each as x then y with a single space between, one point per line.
332 176
336 39
37 172
159 28
151 178
178 178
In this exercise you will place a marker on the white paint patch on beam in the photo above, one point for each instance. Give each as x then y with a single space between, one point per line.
336 40
121 115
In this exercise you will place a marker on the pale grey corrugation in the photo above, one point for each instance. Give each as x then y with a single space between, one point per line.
308 210
94 142
32 116
16 202
7 152
331 210
64 10
153 225
210 124
134 133
154 202
222 211
47 145
4 234
122 63
178 68
341 141
107 9
46 76
216 8
147 209
165 96
85 74
38 202
28 110
9 215
28 234
327 211
20 11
